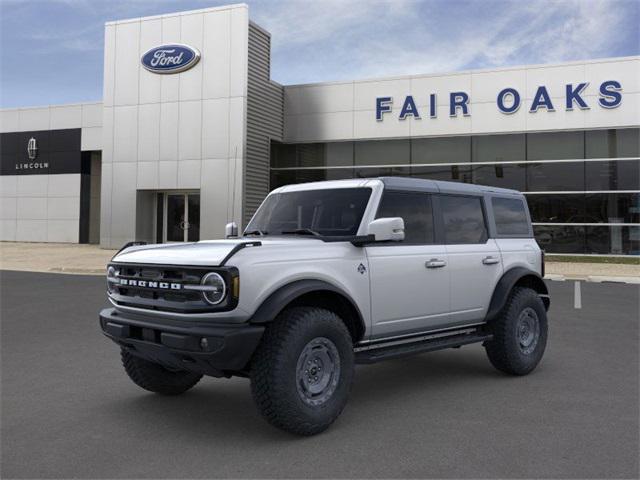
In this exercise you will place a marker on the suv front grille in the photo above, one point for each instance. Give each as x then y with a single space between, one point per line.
155 288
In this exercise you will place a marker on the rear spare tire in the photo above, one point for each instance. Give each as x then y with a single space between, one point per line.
302 371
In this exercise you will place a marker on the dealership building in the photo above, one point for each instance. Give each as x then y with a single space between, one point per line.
192 133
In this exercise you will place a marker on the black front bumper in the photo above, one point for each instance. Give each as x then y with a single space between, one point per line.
216 350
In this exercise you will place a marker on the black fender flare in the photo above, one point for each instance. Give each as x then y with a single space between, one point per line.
283 296
506 283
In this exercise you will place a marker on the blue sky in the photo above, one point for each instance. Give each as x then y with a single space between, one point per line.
51 51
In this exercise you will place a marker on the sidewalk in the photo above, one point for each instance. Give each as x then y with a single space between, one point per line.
54 257
91 259
592 272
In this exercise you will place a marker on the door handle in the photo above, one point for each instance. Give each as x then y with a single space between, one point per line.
490 260
435 263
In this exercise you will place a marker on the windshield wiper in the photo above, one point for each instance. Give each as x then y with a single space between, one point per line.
301 231
255 232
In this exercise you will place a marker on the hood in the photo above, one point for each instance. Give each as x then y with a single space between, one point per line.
210 253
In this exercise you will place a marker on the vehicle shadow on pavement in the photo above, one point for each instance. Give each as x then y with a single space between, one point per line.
221 408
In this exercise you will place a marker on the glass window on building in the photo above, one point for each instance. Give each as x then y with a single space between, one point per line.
415 210
463 219
283 155
449 173
440 150
504 176
555 145
289 177
560 238
382 152
613 175
613 207
311 154
612 143
339 154
555 177
499 148
510 216
550 208
613 240
381 172
325 154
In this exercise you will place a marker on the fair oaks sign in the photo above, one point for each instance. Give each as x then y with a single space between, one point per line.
508 100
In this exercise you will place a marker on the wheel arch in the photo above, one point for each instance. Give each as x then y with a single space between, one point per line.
516 277
316 293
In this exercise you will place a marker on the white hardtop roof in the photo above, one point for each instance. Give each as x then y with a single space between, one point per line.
399 183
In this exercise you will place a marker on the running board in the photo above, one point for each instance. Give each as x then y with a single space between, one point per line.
377 353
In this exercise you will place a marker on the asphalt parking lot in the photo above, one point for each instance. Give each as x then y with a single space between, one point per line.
68 409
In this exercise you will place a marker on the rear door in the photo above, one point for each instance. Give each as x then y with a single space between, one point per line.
475 263
409 279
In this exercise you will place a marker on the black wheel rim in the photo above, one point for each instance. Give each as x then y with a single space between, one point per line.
318 371
528 330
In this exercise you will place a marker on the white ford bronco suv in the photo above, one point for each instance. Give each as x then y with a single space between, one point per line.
327 275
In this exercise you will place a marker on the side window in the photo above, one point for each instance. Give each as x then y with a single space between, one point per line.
510 215
463 219
415 209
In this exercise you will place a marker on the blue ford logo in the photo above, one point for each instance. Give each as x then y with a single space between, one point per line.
172 58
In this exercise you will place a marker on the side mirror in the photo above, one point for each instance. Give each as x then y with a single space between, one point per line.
387 229
231 230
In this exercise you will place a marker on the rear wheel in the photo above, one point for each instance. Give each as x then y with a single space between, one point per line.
156 378
302 372
519 333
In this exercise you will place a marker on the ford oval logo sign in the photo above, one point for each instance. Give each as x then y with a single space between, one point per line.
171 58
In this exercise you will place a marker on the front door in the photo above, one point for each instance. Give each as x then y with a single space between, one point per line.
182 217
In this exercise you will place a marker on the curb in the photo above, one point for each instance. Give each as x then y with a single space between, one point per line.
59 270
593 278
79 271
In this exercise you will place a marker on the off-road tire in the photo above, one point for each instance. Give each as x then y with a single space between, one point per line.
505 350
156 378
274 379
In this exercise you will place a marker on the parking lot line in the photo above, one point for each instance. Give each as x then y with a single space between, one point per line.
577 295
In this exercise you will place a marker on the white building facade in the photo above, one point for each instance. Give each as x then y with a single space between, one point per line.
174 156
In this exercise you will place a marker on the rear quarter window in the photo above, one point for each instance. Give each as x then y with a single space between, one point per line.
463 219
510 216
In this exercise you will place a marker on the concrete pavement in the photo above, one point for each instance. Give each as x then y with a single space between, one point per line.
69 411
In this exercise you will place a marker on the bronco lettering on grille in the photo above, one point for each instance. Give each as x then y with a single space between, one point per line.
149 284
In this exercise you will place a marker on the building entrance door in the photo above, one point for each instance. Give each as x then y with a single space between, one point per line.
182 217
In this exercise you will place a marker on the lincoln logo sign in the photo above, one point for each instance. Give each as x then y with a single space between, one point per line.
32 154
172 58
508 101
32 149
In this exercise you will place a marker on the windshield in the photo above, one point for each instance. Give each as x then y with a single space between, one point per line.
330 212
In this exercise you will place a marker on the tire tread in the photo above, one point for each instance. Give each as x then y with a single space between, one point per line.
279 407
501 350
155 378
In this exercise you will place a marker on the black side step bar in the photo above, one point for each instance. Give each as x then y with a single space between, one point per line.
365 355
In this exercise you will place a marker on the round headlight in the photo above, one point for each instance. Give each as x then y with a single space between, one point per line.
215 288
112 273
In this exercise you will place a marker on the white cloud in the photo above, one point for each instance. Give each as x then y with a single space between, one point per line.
326 40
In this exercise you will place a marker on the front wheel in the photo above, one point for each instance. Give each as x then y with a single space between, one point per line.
156 378
519 333
302 372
